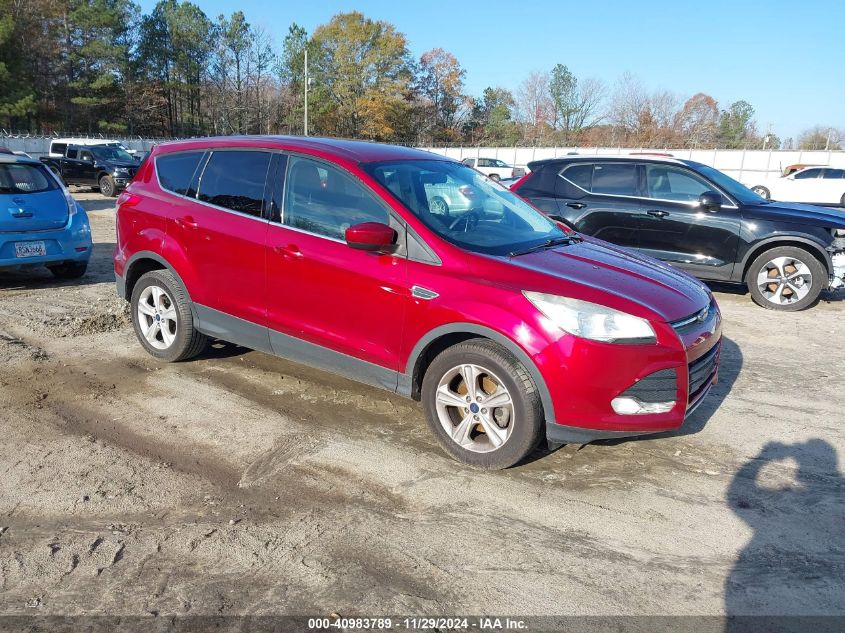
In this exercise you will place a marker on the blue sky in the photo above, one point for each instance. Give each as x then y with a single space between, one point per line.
785 58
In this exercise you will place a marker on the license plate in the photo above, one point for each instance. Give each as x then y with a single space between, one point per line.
30 249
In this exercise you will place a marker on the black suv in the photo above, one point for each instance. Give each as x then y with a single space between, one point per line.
699 219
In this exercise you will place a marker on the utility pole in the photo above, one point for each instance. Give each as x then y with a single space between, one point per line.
306 91
827 143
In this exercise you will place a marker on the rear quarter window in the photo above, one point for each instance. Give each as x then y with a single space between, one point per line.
176 171
18 178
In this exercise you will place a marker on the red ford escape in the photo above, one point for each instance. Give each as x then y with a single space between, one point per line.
348 256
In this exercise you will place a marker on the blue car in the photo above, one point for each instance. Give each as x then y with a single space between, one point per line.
40 222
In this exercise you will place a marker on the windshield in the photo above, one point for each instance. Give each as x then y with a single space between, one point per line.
112 153
736 189
465 207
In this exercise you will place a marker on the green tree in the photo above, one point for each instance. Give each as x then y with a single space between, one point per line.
441 81
362 71
17 96
736 125
575 104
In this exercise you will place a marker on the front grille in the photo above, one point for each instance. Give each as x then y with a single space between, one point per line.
661 386
701 370
697 317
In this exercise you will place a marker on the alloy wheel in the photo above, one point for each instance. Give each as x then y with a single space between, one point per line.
157 317
784 280
475 408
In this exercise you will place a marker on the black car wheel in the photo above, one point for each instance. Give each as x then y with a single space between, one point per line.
107 187
69 270
786 278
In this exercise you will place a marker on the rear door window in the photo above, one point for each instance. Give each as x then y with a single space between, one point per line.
18 178
618 179
58 148
176 171
235 180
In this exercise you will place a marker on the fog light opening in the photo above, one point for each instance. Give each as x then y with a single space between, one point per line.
632 406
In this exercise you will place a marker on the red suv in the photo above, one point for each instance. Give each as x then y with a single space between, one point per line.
507 326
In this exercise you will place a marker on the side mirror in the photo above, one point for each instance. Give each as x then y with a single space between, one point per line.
370 236
710 201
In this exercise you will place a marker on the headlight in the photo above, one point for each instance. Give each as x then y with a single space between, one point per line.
838 232
592 321
121 170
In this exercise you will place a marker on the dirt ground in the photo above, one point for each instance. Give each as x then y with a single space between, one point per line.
243 484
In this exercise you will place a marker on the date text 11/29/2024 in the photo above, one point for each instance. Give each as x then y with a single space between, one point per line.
419 623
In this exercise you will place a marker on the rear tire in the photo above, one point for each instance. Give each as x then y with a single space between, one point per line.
162 318
491 437
786 278
494 177
107 187
438 206
842 200
69 270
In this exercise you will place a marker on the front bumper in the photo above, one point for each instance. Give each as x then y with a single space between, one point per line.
72 243
837 278
680 369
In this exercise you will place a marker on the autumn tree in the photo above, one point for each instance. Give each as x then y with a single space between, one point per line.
698 120
535 108
821 137
440 82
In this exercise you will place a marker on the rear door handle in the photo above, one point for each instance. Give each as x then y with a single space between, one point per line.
187 222
575 205
291 251
658 214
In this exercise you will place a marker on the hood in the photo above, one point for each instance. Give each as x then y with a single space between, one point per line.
795 212
665 291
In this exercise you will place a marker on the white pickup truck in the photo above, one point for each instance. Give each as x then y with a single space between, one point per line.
494 168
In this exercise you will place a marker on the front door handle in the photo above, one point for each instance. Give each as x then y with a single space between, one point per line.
575 205
657 213
291 251
187 222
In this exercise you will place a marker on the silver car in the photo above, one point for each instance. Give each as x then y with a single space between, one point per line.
448 198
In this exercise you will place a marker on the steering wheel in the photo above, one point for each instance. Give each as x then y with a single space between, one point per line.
470 220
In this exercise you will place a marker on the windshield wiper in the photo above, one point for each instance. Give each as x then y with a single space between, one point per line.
551 243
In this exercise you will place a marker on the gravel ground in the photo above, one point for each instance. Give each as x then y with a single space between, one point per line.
243 484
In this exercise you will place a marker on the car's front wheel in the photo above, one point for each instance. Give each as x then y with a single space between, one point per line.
162 318
786 278
107 187
482 405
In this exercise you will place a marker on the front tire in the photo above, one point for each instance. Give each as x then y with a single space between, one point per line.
162 318
786 278
482 405
107 187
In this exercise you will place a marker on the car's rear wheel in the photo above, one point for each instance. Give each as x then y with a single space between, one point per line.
786 278
842 200
162 318
762 191
69 270
482 405
494 177
107 187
